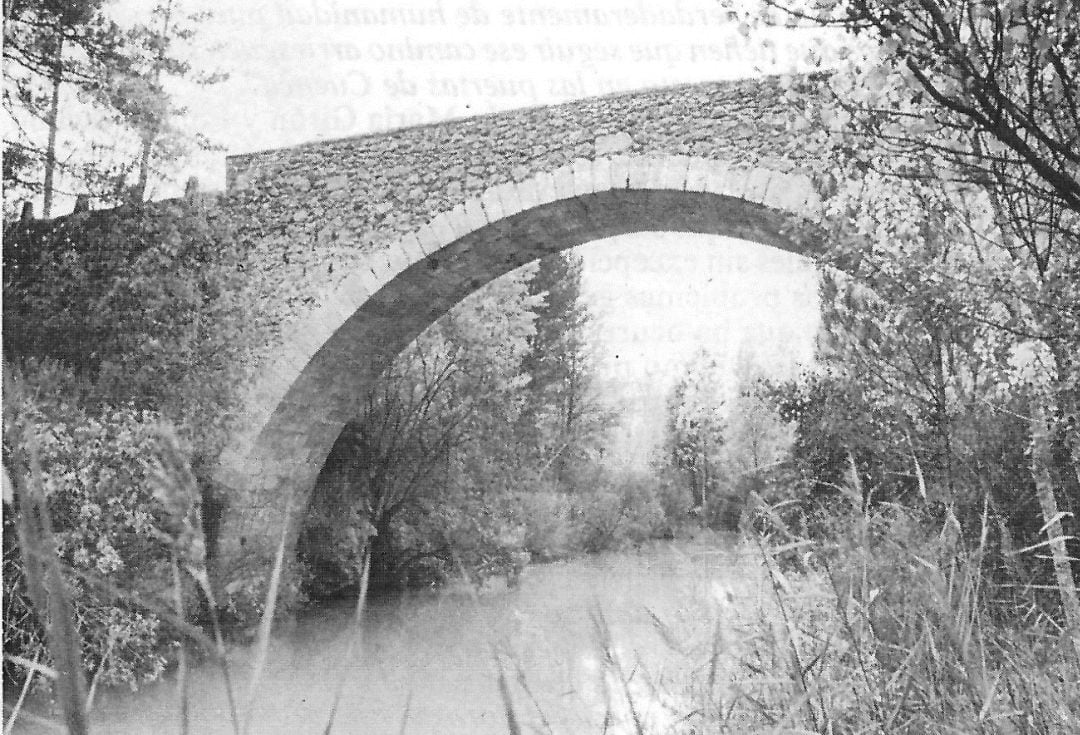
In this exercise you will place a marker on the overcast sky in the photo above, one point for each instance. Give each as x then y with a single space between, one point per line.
303 70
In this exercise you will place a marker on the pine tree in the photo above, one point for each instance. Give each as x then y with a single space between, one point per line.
47 45
562 420
85 99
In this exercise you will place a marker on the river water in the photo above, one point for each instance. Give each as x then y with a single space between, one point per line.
426 662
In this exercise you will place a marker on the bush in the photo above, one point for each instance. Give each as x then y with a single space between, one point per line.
622 510
94 472
150 305
674 498
546 519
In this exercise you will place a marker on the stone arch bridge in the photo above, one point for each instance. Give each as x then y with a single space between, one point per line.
364 242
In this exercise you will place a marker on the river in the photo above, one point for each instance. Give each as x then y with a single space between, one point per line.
426 661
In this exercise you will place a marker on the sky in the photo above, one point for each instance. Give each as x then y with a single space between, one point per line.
304 70
657 298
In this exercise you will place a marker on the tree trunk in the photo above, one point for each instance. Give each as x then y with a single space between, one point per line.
1042 450
150 134
54 116
942 408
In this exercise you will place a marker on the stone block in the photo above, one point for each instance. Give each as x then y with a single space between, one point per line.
564 181
298 183
291 360
606 145
672 174
620 172
508 198
492 206
355 289
697 174
788 192
435 235
410 245
601 175
722 179
528 194
444 227
640 172
334 183
397 258
757 184
475 216
460 221
545 188
583 179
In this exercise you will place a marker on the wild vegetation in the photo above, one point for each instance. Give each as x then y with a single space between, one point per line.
479 449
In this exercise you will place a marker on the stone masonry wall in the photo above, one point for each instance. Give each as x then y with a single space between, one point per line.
313 211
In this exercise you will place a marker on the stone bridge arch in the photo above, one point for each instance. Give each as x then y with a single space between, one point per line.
311 382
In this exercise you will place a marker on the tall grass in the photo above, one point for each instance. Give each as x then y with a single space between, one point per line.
888 629
45 581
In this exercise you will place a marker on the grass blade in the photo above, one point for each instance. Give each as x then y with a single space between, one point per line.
355 638
181 665
508 703
266 624
22 696
48 592
405 714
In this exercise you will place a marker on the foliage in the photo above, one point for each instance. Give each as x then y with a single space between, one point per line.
144 310
757 440
696 429
94 472
890 627
148 305
478 448
546 519
895 629
563 424
424 469
948 137
622 509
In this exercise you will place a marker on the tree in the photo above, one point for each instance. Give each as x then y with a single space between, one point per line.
143 98
48 44
756 439
120 111
975 106
434 439
562 418
696 428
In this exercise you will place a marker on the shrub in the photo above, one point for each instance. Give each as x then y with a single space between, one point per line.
674 498
151 306
546 519
94 471
623 509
